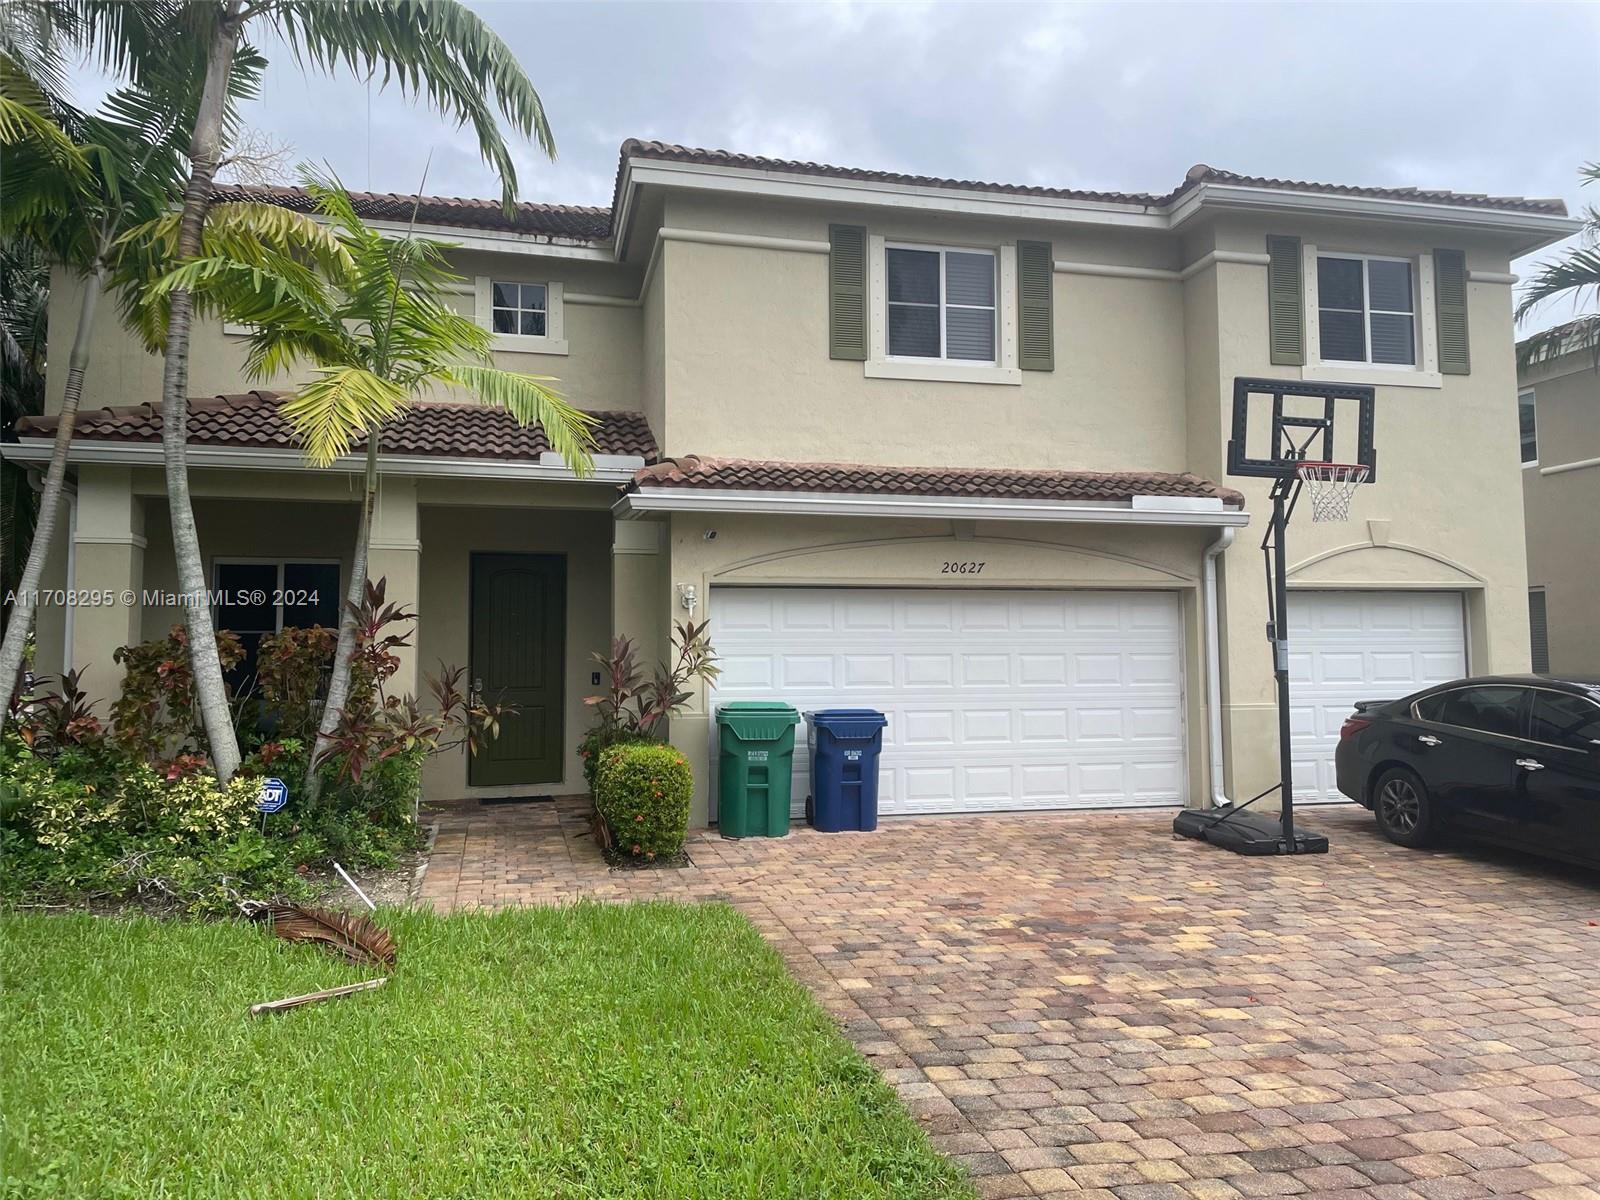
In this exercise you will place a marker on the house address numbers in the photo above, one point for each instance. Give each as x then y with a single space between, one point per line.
962 568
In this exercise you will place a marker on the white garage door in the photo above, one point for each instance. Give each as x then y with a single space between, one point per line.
996 700
1349 646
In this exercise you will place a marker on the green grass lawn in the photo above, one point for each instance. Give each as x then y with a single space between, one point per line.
650 1050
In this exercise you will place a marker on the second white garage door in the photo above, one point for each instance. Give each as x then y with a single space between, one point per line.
1349 646
997 700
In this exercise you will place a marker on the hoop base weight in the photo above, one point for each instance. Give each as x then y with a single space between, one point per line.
1247 833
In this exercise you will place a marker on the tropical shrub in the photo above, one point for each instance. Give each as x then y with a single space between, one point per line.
157 718
644 789
291 676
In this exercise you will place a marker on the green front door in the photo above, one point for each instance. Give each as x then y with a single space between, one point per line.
519 630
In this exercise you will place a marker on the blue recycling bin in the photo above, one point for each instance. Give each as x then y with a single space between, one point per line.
845 743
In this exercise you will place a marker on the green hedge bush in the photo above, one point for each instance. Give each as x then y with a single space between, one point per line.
643 792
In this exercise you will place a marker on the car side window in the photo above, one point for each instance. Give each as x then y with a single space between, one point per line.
1490 709
1563 720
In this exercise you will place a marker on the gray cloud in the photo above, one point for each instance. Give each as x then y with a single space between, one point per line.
1501 98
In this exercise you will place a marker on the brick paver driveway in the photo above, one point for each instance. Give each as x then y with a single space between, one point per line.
1081 1005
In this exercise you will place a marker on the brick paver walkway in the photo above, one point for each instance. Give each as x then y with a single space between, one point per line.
1079 1005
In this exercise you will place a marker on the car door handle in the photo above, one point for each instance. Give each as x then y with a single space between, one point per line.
1427 739
1530 764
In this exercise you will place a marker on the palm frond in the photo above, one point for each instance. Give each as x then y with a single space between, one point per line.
437 49
1581 333
331 413
1576 273
569 430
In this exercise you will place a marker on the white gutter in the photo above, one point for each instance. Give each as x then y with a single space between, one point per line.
1581 464
608 468
1142 510
1213 668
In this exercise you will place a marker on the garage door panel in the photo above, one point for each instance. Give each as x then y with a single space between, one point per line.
1356 645
996 700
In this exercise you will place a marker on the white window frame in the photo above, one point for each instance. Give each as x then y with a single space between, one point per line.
554 340
236 560
1424 331
1533 403
880 365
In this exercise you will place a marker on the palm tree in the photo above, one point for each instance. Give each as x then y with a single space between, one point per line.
434 48
381 334
1575 274
78 187
24 306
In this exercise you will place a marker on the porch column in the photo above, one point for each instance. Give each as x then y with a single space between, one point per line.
637 592
107 572
396 556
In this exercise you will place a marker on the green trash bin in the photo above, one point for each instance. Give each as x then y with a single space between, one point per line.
756 764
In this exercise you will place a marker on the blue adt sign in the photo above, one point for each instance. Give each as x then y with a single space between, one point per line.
274 795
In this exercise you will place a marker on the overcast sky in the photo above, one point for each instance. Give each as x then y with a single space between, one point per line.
1501 98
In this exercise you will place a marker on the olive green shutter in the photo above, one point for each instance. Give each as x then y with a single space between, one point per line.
1450 307
1286 329
847 292
1035 321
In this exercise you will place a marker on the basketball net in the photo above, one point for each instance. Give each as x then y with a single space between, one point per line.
1330 486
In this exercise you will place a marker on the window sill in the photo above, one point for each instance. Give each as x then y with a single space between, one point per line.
518 343
939 372
1380 376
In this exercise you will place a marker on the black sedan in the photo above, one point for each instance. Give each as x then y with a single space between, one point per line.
1512 759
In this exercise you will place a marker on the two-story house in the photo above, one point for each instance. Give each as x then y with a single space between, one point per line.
1558 407
950 449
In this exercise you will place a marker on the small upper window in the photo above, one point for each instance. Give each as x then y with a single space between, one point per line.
1366 309
1528 419
941 304
1563 720
520 308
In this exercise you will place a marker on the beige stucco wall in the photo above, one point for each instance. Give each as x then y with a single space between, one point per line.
1563 510
1424 524
821 552
748 372
601 370
450 536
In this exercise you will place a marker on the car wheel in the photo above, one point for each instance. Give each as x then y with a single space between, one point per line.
1403 807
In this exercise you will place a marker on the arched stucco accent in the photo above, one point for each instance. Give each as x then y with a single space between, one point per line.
962 548
1373 570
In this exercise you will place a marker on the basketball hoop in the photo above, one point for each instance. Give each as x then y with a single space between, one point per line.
1331 485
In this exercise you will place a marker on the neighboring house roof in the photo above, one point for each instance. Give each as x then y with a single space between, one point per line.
588 224
432 429
696 471
551 220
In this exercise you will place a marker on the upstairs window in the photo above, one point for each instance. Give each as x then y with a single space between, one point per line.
941 304
1367 310
520 308
1528 418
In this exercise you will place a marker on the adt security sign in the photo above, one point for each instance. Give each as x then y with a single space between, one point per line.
274 795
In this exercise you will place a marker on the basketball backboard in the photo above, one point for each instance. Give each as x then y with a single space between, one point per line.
1279 423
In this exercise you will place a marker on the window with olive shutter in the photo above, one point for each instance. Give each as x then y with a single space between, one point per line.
1450 310
1285 316
847 292
1035 306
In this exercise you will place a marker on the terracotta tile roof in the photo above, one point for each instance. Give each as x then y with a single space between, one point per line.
1201 173
549 220
442 430
594 224
634 148
695 471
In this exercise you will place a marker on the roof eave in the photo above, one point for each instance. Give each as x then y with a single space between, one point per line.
1529 230
611 469
1139 510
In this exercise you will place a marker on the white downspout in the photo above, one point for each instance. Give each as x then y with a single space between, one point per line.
1213 620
